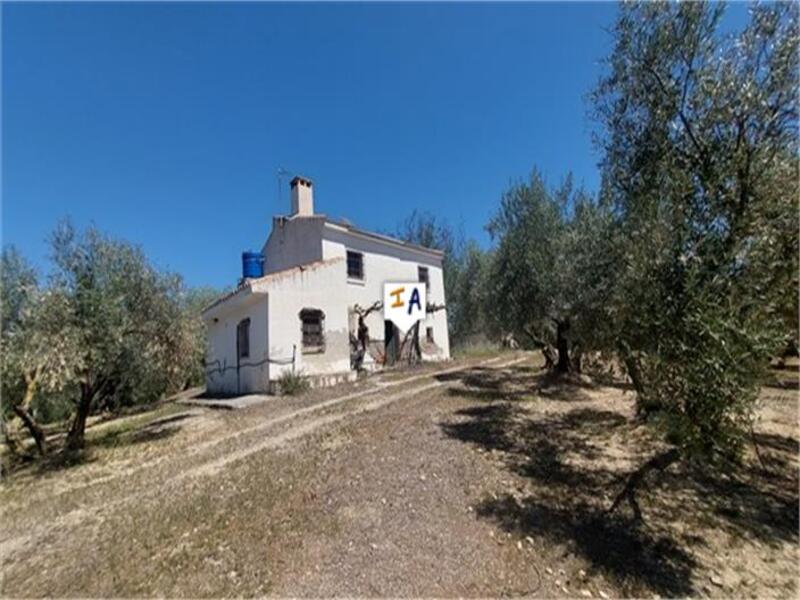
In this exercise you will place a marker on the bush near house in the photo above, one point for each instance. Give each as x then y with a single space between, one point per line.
293 383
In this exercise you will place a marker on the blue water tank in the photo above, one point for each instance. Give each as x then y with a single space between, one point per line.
252 264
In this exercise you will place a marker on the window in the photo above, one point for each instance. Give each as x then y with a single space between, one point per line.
355 265
429 334
423 277
243 338
313 325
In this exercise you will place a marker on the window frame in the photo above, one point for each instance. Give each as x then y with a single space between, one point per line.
307 316
429 335
360 276
427 279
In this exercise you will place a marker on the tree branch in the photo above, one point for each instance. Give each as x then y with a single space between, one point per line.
700 149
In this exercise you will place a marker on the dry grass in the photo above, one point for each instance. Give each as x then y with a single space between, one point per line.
492 481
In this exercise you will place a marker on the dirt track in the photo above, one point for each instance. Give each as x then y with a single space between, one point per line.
478 481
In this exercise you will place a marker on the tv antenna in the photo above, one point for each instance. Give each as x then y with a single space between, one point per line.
279 175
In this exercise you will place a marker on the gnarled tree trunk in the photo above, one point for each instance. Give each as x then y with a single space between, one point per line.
75 436
22 410
562 345
634 372
36 431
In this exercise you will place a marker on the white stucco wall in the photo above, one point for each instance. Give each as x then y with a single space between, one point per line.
222 376
320 286
292 242
386 263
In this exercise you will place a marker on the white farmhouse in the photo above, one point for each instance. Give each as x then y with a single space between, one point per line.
303 314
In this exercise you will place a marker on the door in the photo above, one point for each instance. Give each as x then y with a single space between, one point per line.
391 342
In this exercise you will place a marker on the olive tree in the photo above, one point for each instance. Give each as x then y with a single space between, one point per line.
547 274
699 138
195 300
38 345
467 296
134 342
108 330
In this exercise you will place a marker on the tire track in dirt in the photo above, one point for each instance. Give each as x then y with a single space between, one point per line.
262 426
96 512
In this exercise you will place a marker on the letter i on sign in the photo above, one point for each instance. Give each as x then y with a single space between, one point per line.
404 303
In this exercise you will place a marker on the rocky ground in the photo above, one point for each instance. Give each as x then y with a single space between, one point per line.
478 478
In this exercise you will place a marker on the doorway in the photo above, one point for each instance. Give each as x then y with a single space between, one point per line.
391 342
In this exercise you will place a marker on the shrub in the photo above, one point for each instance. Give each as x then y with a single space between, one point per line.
293 383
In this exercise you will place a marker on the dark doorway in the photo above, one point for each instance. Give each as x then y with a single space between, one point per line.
391 341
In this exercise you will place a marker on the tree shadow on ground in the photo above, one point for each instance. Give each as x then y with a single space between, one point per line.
152 431
567 507
517 383
59 459
564 452
116 439
615 545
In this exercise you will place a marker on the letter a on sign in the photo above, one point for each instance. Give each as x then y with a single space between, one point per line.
404 303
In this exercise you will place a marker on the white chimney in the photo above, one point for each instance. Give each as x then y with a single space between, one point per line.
302 197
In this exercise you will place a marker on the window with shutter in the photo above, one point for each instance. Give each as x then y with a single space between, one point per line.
312 322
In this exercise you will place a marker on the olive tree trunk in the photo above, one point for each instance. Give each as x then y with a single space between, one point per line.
22 410
562 345
76 434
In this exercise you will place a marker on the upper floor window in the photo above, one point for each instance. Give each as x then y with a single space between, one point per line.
423 277
313 328
355 265
243 338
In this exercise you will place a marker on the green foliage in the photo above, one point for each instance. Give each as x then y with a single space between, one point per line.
194 301
136 345
467 297
39 346
17 282
107 331
293 383
550 272
699 136
464 271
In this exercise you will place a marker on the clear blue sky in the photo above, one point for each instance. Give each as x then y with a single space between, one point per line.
164 124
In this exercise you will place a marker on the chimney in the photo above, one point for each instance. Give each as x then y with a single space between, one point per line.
302 197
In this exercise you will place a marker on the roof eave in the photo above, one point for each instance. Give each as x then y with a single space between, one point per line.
390 241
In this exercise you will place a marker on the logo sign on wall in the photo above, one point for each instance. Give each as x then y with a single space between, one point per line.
404 304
